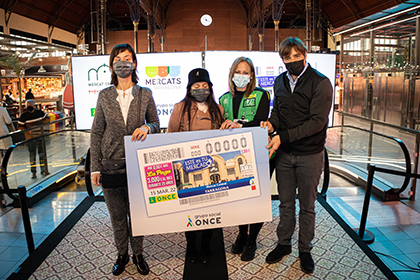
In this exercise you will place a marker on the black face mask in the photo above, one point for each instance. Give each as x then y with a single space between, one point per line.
296 67
30 108
200 95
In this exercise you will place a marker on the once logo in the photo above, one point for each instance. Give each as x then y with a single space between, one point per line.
208 221
163 71
189 224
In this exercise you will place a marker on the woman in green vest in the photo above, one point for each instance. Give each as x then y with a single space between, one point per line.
245 105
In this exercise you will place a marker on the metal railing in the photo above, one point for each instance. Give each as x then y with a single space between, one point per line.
75 146
409 137
352 148
16 161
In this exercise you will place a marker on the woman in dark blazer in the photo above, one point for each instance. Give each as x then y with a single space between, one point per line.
122 109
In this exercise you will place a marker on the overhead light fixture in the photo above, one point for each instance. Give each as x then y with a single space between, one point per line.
41 69
385 25
376 20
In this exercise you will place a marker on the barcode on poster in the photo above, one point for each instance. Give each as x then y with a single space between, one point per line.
203 198
164 155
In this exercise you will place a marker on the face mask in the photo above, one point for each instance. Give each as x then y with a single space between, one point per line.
296 67
30 108
123 69
241 81
201 94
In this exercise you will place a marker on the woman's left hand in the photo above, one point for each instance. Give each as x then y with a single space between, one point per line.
139 134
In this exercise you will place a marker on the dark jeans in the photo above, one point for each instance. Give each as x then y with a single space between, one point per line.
303 173
115 190
32 147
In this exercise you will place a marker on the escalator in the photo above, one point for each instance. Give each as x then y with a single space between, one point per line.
63 150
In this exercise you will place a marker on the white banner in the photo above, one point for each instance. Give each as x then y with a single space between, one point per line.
166 74
268 65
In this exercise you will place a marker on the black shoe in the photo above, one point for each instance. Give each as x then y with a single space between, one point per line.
191 254
205 253
33 175
239 245
306 262
278 253
249 253
141 264
119 265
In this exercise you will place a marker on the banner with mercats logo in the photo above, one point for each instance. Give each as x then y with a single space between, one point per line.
198 180
166 74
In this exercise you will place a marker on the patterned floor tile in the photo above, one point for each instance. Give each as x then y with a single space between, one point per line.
88 252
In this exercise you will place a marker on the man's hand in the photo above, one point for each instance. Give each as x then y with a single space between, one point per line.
273 145
268 125
95 179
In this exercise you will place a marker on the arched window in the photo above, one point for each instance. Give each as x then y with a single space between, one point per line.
214 168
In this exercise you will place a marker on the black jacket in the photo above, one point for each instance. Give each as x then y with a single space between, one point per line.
301 118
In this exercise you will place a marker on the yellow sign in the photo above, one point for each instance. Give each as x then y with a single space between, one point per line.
162 198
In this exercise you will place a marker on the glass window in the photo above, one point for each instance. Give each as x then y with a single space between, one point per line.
198 177
186 178
214 167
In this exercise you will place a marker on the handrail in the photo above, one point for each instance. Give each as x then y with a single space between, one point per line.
366 235
36 127
379 122
88 181
403 148
9 152
326 182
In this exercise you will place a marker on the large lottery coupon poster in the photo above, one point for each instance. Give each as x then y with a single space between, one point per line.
198 180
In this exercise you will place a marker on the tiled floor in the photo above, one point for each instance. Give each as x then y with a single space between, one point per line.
45 217
395 225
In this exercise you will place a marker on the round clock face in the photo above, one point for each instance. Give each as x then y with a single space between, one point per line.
206 20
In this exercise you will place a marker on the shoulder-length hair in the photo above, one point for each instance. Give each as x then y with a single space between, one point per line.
291 42
216 115
252 84
117 50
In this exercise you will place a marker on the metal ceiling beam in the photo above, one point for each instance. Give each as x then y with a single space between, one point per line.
48 15
57 17
356 17
8 11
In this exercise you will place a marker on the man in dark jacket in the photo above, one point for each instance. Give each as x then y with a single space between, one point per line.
29 95
34 117
298 121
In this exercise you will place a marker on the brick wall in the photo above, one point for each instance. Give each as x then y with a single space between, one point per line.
184 31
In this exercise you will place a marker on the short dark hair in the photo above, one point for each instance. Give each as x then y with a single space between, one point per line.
117 50
292 42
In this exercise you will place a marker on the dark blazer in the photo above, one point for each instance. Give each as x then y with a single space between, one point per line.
108 129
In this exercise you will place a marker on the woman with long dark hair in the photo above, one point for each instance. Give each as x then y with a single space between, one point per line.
122 109
197 111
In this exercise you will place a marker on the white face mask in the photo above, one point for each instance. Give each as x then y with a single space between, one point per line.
241 81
